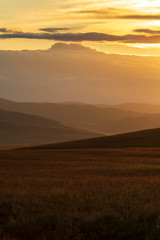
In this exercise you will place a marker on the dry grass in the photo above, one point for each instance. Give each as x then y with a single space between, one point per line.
84 194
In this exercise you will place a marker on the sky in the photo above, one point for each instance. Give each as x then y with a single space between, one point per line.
117 26
80 50
74 73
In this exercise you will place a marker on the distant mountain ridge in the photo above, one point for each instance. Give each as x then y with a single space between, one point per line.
136 107
84 116
99 118
19 128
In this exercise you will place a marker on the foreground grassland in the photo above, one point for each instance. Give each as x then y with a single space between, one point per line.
80 194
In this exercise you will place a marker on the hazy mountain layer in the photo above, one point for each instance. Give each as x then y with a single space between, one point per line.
18 128
140 107
76 115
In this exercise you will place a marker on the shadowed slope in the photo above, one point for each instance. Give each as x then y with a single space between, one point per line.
18 128
146 138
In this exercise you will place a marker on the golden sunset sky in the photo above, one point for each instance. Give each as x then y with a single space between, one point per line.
124 26
68 67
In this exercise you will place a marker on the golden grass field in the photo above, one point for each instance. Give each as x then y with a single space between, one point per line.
80 194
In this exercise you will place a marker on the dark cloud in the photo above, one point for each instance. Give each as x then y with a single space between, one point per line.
140 17
114 14
80 37
3 30
8 31
101 12
150 31
73 37
52 30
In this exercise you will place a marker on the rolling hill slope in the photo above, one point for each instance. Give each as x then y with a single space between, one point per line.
18 128
107 120
84 116
146 138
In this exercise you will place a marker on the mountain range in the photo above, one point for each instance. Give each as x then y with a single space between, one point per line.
19 128
135 107
100 118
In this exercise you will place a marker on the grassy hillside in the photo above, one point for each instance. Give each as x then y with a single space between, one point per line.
18 128
94 194
146 138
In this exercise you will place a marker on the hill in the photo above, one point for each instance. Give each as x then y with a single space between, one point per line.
146 138
130 124
140 107
19 128
85 116
107 120
136 107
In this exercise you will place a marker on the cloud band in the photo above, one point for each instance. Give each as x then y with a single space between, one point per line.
80 37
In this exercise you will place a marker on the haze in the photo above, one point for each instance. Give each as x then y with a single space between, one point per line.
87 51
71 72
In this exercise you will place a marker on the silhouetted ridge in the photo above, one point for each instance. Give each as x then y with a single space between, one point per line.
146 138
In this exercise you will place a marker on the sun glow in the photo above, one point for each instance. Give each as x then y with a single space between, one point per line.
147 4
155 23
142 45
